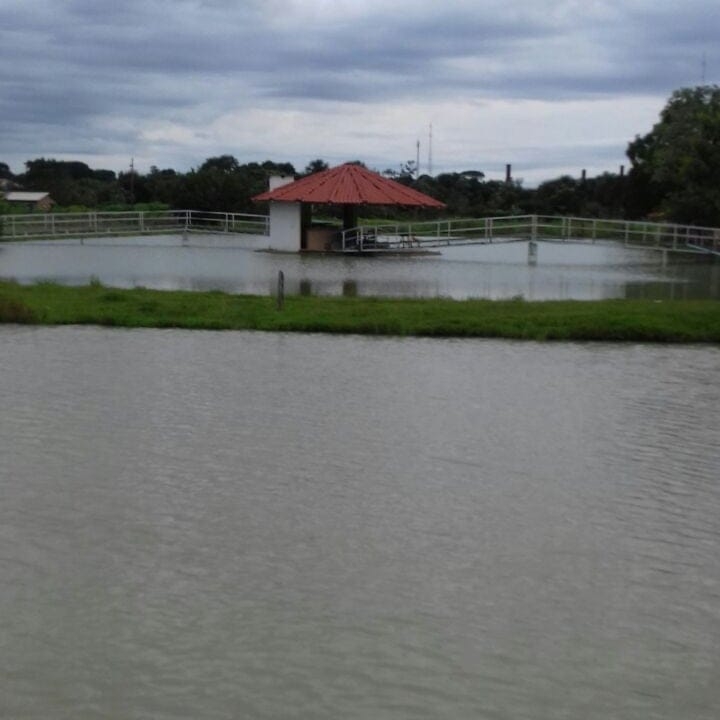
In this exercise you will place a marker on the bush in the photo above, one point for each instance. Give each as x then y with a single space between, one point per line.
12 311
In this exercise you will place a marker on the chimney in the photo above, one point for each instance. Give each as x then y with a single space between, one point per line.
276 181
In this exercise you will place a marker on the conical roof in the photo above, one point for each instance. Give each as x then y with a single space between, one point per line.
349 184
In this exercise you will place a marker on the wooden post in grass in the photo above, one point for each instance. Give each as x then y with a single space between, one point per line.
280 290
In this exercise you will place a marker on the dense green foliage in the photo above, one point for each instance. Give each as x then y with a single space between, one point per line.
224 184
675 175
607 320
679 159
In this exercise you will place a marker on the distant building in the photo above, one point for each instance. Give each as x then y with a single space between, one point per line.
40 201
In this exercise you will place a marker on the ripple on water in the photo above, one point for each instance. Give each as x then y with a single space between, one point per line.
239 524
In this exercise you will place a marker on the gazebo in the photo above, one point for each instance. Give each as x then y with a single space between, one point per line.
349 186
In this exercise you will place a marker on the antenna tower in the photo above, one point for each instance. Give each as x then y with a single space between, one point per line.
430 151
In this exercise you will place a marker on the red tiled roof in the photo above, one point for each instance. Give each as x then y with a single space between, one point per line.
349 185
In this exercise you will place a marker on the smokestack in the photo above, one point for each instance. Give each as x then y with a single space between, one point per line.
584 175
508 173
622 171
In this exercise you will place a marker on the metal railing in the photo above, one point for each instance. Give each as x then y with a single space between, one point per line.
38 226
518 228
390 236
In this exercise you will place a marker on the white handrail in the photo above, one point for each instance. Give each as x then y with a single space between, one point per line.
89 224
514 228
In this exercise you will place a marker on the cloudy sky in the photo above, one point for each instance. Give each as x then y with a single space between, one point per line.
551 86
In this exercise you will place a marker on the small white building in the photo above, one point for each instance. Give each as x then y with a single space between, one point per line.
40 201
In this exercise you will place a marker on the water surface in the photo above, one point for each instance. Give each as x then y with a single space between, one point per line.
563 271
223 525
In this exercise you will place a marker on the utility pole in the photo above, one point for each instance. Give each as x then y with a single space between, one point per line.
132 181
417 160
430 151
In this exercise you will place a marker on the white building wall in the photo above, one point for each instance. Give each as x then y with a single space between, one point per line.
285 219
285 226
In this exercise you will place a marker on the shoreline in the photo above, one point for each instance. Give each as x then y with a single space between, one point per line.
666 321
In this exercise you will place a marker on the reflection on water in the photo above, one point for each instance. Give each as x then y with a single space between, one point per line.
230 525
562 271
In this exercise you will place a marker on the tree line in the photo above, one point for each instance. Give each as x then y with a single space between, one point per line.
674 175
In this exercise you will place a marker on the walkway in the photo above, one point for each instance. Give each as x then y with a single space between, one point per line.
111 224
522 228
372 238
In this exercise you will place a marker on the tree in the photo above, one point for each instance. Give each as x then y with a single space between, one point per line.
221 163
60 178
314 166
562 196
679 159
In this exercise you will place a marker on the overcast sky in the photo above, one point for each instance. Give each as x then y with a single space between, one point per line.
551 86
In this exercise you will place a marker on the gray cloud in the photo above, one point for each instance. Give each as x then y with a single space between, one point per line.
92 74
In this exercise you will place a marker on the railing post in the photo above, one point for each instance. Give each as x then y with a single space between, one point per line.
533 227
532 252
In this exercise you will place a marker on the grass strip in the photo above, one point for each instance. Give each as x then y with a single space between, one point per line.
678 321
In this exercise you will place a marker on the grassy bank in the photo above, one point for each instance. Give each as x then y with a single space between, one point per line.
610 320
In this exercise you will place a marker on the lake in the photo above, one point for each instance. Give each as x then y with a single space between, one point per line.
563 271
231 524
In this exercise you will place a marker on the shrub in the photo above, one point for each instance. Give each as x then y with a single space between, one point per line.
12 311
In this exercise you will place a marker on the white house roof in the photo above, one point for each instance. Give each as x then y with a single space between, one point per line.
25 196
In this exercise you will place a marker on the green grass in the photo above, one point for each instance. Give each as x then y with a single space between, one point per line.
604 320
